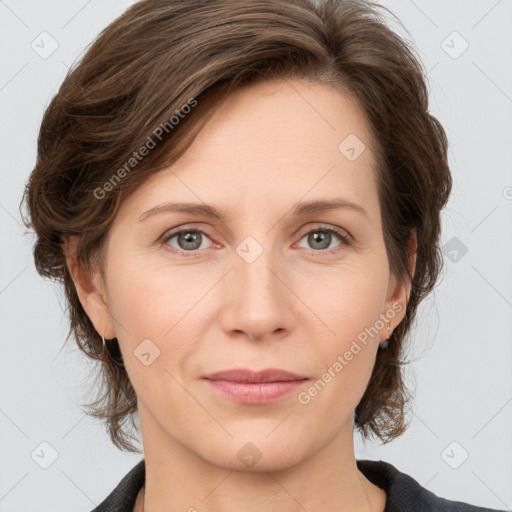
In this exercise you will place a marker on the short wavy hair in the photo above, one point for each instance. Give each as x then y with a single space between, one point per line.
143 70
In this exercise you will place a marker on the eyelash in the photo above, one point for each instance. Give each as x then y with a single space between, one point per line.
344 238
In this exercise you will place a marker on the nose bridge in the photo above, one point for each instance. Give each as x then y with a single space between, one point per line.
258 299
257 264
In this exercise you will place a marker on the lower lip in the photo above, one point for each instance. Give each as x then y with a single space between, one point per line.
257 392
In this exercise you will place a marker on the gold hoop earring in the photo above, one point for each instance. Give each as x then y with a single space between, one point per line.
389 330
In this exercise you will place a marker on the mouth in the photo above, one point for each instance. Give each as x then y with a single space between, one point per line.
255 387
250 376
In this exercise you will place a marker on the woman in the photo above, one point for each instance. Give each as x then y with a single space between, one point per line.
242 200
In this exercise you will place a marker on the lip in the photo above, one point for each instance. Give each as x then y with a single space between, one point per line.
254 387
246 375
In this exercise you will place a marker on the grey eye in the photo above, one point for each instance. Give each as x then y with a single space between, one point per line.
321 239
188 240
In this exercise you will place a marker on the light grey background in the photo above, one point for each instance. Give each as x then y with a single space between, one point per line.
462 343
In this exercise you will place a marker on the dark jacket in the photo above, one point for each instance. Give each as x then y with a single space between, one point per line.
404 494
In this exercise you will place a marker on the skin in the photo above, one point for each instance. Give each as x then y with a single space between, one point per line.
296 307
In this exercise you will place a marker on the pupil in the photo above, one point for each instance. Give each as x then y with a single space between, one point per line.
320 237
190 238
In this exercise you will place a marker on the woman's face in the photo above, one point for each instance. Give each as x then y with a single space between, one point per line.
257 289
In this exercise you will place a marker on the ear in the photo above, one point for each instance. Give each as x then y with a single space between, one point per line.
91 290
399 291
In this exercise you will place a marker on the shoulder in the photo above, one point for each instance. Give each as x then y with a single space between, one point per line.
122 498
405 494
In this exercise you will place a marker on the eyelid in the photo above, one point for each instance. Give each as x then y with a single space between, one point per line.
327 227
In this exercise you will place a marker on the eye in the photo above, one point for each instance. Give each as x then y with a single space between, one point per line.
191 240
320 239
187 240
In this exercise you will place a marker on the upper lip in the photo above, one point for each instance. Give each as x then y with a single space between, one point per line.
245 375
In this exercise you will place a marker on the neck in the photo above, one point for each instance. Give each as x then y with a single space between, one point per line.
178 478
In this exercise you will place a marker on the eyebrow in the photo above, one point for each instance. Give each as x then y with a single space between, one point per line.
301 209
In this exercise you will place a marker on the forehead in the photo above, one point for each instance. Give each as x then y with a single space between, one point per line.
279 142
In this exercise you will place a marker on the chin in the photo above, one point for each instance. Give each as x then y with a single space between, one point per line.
254 454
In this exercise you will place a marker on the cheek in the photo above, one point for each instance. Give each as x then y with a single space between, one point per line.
156 313
148 300
351 300
344 371
351 308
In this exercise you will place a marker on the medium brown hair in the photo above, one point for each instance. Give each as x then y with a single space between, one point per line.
140 77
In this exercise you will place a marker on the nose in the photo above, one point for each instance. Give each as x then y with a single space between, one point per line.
257 298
